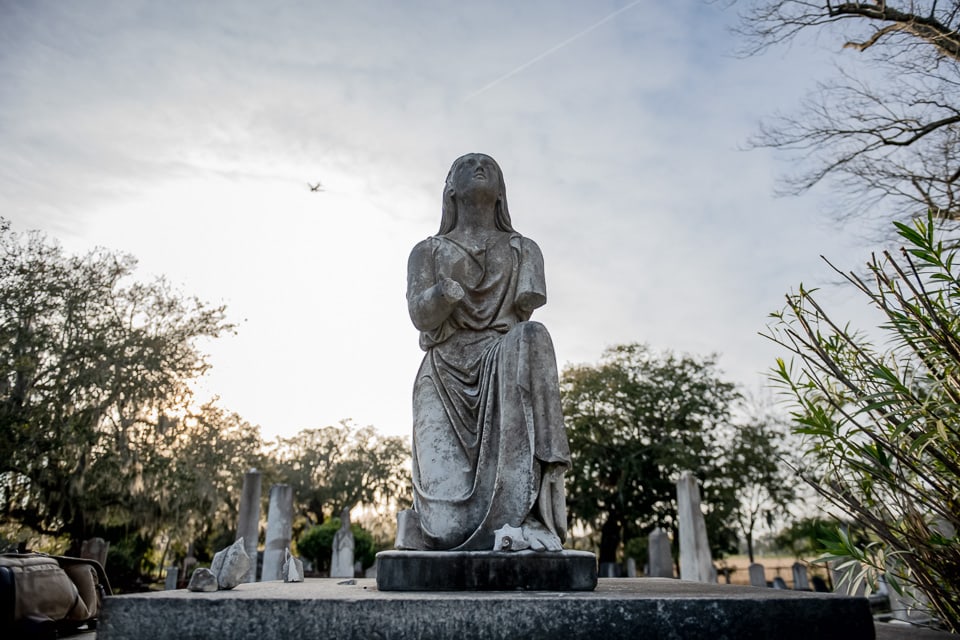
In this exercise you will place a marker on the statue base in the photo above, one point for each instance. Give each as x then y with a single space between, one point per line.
486 571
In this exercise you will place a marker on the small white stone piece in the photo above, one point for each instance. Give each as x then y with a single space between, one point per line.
203 580
508 538
292 570
230 565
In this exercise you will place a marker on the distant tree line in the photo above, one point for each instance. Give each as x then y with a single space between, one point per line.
100 433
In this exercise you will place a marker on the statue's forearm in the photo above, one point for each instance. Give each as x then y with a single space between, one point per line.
432 306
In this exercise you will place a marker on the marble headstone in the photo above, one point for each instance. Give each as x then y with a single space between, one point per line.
695 561
341 560
248 520
660 557
279 530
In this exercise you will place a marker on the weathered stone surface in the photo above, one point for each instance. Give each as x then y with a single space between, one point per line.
758 575
279 530
660 557
341 556
292 570
910 606
618 609
95 549
248 520
203 579
409 534
170 581
508 538
897 631
230 565
695 561
800 581
480 466
486 570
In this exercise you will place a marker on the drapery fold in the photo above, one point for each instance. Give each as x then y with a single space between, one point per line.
486 398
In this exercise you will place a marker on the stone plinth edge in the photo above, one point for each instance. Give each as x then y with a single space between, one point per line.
486 571
618 609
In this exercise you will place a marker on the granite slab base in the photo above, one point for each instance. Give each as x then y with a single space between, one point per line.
486 571
657 608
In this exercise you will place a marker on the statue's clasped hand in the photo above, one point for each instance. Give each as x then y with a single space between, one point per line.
451 290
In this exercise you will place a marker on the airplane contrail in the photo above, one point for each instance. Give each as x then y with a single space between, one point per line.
551 50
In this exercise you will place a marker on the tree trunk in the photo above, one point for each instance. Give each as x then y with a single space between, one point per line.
750 545
609 539
76 530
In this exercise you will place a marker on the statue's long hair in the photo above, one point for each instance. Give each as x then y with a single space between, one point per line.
448 219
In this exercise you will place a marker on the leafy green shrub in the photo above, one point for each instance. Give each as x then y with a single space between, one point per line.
805 538
882 425
636 548
125 566
316 544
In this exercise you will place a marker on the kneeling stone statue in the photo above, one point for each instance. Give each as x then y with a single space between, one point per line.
489 446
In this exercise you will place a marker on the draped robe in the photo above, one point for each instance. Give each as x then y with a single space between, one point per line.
486 401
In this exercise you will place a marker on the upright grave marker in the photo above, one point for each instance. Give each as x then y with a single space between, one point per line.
660 557
341 560
695 561
248 521
279 530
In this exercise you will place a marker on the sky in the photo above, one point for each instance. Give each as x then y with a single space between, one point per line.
186 133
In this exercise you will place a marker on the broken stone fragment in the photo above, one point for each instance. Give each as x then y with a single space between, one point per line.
203 580
292 570
230 565
508 538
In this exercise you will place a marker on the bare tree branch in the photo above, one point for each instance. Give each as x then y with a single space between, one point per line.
891 142
928 28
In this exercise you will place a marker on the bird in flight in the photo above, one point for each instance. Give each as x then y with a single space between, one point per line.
316 187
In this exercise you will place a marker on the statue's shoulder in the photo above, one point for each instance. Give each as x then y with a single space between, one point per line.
425 246
528 248
528 243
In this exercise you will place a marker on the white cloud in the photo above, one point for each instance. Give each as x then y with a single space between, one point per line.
185 133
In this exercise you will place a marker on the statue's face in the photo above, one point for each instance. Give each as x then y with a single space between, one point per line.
476 171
